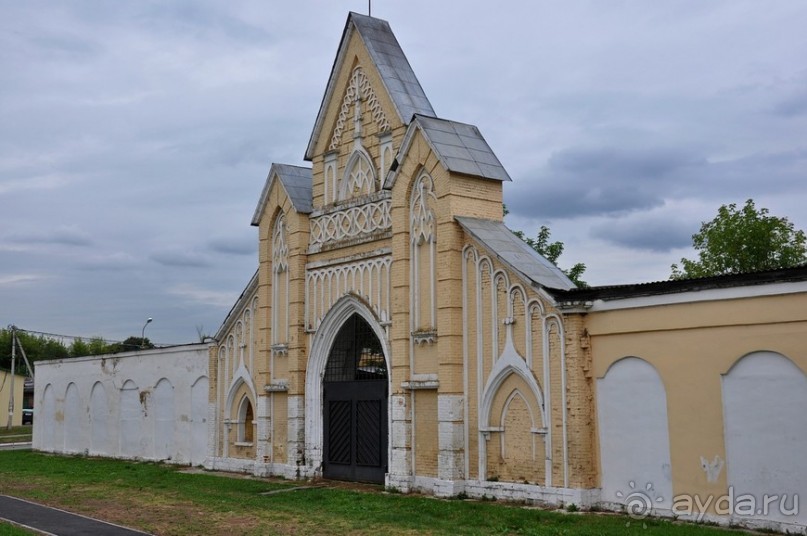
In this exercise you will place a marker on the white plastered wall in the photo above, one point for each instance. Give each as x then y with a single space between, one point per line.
150 405
634 436
765 420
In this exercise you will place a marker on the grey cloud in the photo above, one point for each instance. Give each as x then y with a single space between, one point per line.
601 181
114 261
610 182
65 46
65 236
792 106
202 21
180 259
231 245
651 233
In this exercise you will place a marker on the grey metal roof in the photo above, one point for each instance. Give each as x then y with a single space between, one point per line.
514 252
459 147
397 76
796 274
296 181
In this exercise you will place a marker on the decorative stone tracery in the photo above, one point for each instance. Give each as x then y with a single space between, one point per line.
368 279
280 284
358 89
423 239
353 222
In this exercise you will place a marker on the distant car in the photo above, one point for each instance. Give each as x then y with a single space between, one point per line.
27 416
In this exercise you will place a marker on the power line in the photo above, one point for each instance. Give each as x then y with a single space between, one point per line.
79 337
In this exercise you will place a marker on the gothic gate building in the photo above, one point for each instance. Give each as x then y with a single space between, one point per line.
396 331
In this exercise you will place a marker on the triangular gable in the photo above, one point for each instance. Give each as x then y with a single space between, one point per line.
397 77
296 182
500 242
459 147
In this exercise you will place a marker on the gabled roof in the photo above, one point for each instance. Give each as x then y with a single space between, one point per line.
459 147
397 76
515 253
296 181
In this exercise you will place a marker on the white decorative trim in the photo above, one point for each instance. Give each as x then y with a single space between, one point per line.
420 385
422 236
359 179
357 90
368 279
280 278
364 221
277 386
510 362
424 337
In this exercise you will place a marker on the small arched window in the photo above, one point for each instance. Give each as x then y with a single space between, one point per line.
245 421
359 176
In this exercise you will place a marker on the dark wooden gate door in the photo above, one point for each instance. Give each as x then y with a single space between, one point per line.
355 406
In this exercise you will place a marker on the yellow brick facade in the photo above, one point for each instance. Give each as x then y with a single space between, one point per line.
379 237
485 372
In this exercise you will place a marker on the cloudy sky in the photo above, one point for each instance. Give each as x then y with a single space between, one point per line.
135 136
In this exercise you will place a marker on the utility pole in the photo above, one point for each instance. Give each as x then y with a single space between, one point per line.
13 358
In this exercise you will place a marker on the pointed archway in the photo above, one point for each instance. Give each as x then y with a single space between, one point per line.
354 402
347 395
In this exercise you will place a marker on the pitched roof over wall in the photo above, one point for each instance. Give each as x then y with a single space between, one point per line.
750 281
459 147
397 76
515 253
296 181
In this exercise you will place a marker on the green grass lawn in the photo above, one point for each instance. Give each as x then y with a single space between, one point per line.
7 529
164 500
17 434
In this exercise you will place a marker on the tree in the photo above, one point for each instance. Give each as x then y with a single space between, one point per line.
741 241
551 251
134 343
36 348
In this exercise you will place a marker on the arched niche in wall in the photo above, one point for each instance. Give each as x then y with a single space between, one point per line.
634 433
131 420
73 429
765 430
99 419
199 392
164 419
46 423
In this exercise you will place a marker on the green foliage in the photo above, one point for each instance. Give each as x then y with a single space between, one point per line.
741 241
39 347
551 251
36 347
135 343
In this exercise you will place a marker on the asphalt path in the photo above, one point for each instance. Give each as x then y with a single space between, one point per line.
47 520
